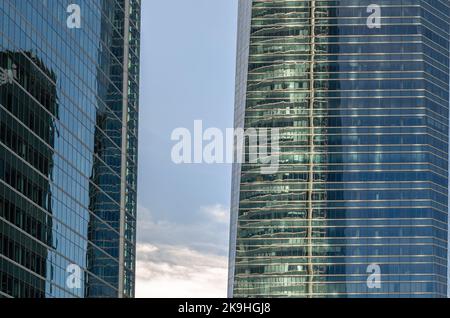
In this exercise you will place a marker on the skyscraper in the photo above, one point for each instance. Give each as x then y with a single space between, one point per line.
360 93
69 78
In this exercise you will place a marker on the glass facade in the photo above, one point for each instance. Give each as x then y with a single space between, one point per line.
358 207
68 147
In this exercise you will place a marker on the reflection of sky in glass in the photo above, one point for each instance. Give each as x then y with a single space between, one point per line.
375 191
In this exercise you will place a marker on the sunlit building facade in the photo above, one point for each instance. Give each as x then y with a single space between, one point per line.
358 207
69 77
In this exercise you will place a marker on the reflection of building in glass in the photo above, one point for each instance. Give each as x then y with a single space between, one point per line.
106 169
27 136
73 189
363 118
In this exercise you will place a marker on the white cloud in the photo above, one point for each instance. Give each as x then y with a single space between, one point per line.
183 260
176 271
217 212
207 232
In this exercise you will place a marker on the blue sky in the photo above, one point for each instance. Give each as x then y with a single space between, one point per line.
187 73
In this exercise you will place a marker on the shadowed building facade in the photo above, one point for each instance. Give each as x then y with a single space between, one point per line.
68 148
358 207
